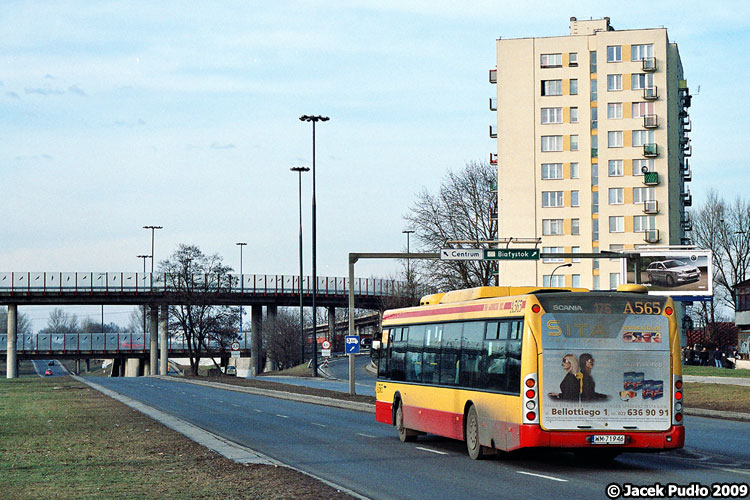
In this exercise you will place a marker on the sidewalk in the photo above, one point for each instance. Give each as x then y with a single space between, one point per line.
717 380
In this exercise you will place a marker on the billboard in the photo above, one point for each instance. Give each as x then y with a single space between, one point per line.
680 274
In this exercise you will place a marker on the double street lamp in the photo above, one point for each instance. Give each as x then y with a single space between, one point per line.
152 228
299 171
242 281
144 257
314 119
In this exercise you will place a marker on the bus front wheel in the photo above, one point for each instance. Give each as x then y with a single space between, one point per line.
476 450
404 434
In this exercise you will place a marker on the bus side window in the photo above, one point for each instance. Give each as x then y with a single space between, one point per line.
514 357
398 354
383 353
431 354
471 354
449 355
414 347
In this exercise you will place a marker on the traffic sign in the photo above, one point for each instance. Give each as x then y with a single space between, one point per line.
511 254
325 344
351 344
461 254
235 346
326 353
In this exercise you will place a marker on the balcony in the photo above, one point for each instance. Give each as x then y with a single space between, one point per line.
493 76
686 241
493 132
686 123
493 158
687 226
650 121
687 198
686 100
651 236
687 175
650 207
493 104
650 150
687 148
650 93
685 218
594 152
648 64
651 178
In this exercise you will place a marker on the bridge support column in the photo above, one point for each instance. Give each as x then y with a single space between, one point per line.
154 334
271 311
256 318
12 358
332 325
163 347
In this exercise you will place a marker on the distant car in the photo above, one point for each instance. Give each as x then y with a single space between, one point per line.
230 370
672 272
48 372
51 363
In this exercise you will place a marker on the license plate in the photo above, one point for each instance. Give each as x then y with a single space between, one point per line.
608 439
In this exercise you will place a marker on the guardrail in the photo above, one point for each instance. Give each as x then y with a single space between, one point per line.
90 282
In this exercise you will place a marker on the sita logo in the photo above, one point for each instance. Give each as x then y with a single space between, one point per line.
558 307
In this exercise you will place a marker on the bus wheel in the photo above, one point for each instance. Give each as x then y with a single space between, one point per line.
404 434
476 450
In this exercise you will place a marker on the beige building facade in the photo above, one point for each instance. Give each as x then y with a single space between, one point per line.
592 149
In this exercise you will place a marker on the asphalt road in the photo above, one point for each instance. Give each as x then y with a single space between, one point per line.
41 365
364 381
351 449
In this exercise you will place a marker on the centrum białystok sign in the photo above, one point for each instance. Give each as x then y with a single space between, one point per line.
511 254
461 254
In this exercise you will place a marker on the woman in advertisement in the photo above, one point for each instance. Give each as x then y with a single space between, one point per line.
588 386
570 386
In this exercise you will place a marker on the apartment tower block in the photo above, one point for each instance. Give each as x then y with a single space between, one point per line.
592 149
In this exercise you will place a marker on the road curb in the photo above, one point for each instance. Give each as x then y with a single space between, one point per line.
303 398
725 415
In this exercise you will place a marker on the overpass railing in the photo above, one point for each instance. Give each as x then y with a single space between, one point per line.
97 342
63 283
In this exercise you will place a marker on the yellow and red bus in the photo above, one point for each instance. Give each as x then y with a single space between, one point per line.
504 368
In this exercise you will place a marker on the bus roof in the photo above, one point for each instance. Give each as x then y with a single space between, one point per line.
487 292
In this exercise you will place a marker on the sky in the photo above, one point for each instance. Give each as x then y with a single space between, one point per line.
120 114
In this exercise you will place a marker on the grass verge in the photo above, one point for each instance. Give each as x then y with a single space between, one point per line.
712 371
62 439
717 397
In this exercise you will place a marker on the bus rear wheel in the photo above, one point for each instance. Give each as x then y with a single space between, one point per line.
476 450
404 434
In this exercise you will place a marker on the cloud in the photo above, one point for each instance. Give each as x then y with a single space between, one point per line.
216 145
122 123
45 91
75 89
34 157
12 95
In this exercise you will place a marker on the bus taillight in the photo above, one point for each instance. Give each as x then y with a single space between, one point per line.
530 400
530 382
668 310
677 400
536 308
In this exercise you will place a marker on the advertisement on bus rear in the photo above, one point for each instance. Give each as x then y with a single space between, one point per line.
607 371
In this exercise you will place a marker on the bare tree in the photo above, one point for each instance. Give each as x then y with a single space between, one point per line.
281 338
90 326
61 322
194 274
465 209
23 323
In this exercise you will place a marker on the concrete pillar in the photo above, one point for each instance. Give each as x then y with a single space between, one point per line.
164 348
256 318
271 311
332 324
132 367
12 358
154 333
78 366
88 365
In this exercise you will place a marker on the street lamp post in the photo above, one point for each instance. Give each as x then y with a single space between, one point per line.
299 171
555 269
314 119
242 282
408 232
152 228
144 257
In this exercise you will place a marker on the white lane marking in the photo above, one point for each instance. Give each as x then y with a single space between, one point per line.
431 451
365 435
236 406
220 401
258 411
542 476
320 425
282 416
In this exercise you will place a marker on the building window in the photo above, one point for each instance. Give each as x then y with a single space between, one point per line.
553 250
595 235
574 174
551 87
573 59
614 281
575 250
641 194
640 163
552 227
551 60
594 94
595 202
614 138
574 199
596 283
614 53
616 196
592 61
615 168
573 86
552 171
640 81
641 137
642 223
614 83
617 224
614 110
552 143
640 52
574 142
575 226
594 146
551 115
552 199
641 109
576 280
573 115
594 118
555 280
616 248
594 174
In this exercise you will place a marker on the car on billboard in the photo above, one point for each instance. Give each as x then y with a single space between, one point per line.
672 272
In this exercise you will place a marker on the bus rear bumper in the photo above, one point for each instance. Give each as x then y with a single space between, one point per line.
532 436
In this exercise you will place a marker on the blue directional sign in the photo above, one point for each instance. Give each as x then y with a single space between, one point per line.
351 344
